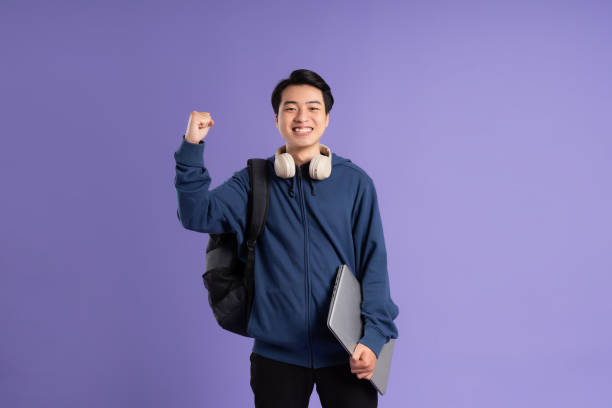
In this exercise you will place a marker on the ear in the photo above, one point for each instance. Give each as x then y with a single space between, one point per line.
276 120
327 119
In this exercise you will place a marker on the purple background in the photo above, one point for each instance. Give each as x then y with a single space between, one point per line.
487 131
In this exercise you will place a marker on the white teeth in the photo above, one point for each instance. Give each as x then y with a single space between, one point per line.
302 130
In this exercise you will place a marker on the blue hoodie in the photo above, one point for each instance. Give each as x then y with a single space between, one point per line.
313 226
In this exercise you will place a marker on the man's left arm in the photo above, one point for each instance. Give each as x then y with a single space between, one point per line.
377 308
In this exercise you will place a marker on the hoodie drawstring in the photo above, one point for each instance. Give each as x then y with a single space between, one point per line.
312 186
291 193
292 183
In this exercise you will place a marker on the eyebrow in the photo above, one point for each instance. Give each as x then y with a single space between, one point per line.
288 102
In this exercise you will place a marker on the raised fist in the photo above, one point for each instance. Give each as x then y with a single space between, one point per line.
198 126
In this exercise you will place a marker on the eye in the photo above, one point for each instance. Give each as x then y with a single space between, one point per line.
314 108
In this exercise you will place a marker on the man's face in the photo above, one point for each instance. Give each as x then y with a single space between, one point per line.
301 106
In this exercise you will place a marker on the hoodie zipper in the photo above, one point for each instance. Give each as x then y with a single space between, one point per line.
305 223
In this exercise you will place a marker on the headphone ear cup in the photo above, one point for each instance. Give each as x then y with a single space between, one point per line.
284 166
320 167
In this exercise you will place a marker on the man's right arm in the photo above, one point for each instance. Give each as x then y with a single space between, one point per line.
223 209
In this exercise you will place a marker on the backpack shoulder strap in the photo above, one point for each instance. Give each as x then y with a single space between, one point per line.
259 200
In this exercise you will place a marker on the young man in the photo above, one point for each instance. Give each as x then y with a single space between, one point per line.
323 212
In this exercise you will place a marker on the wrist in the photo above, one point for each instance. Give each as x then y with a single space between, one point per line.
192 141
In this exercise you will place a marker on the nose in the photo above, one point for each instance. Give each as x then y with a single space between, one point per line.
302 116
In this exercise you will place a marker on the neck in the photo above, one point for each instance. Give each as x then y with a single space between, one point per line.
302 155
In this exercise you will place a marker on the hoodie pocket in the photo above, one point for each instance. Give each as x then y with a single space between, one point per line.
279 317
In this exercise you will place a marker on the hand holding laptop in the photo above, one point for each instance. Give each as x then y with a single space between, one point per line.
345 322
363 362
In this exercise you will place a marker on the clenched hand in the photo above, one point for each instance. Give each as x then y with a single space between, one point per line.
363 362
198 126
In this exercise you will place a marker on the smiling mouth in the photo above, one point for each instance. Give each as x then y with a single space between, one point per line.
302 130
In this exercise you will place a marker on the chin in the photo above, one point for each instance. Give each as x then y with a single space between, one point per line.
306 141
303 142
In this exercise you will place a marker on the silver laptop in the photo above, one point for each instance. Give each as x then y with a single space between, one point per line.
345 322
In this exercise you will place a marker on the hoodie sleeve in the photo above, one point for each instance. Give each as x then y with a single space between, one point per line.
377 308
223 209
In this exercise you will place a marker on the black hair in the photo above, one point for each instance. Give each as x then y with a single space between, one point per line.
303 77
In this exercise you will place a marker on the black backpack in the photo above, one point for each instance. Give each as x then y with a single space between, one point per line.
229 281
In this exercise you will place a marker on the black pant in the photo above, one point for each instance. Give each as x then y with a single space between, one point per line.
278 384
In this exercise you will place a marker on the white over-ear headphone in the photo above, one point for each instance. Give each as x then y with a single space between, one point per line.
319 168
